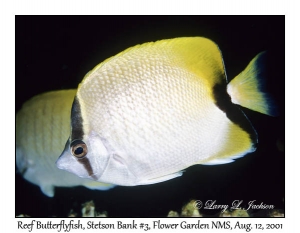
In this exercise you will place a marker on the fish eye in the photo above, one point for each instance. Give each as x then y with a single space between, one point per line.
78 149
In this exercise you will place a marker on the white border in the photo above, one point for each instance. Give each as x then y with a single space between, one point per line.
270 7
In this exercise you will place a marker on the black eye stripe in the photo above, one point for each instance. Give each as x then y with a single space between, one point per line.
78 149
76 121
76 142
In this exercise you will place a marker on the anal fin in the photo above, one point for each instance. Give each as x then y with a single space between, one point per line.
222 160
236 144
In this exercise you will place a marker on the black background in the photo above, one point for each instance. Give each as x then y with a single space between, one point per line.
55 52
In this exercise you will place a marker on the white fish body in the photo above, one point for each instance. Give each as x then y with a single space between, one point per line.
42 126
146 114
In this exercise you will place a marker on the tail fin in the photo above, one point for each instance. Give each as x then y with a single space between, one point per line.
246 89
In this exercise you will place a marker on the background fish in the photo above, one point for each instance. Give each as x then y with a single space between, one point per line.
146 114
42 126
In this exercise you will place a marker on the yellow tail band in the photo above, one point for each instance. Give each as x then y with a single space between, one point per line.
246 89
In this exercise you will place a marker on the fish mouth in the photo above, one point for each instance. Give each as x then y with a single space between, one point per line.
59 164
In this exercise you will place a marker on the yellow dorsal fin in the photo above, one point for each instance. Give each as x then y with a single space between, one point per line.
196 54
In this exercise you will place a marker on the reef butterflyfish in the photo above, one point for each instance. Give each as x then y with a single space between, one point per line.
148 113
42 128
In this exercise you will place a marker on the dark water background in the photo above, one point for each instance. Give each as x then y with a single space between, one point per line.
55 52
